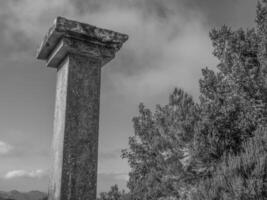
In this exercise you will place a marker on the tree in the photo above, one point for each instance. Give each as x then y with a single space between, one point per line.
233 101
241 177
233 106
158 152
113 194
215 149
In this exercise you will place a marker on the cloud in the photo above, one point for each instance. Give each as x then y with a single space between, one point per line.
22 26
168 40
5 148
28 16
162 55
39 173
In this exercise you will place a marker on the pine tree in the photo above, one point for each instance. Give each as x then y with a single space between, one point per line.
233 100
229 141
158 154
240 177
215 150
113 194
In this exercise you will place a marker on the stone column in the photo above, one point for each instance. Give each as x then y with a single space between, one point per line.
77 51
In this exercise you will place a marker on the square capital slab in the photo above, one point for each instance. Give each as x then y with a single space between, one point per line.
68 36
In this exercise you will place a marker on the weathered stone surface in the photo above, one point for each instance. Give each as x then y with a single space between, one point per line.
75 143
77 51
73 46
68 34
59 131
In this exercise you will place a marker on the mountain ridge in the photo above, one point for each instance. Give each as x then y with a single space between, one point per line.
17 195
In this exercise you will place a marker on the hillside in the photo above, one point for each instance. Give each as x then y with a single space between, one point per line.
16 195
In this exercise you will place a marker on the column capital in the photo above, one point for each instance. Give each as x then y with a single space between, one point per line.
68 36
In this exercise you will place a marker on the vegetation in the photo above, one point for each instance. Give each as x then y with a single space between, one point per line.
114 194
215 149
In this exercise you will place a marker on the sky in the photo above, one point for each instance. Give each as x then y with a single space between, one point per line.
167 47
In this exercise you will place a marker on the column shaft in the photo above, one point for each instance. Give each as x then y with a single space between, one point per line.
75 143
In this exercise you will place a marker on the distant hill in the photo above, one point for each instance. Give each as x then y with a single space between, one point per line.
16 195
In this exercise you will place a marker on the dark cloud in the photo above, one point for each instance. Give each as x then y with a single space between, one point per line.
147 8
161 22
11 40
217 12
235 13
